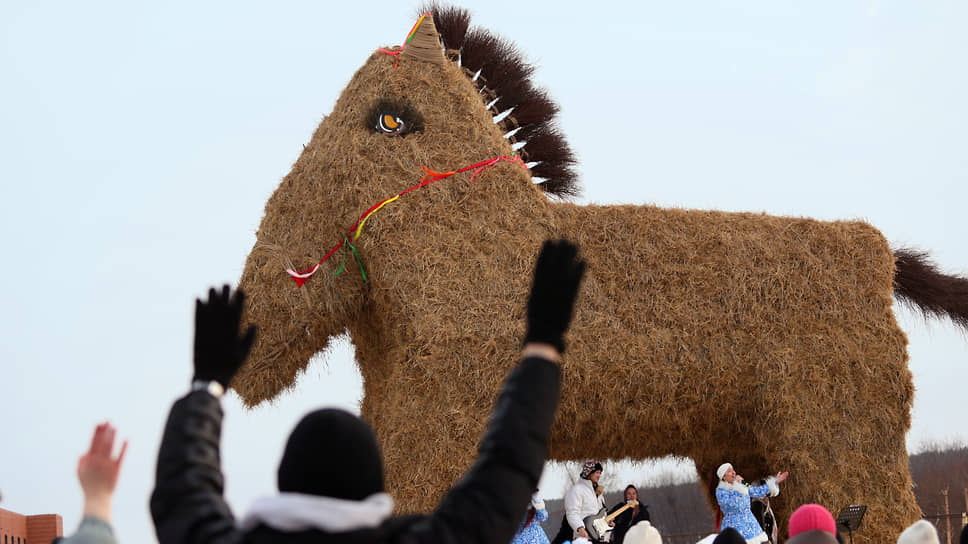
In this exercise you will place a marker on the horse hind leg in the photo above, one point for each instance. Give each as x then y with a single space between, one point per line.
843 441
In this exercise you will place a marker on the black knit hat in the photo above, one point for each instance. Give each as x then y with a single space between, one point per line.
331 453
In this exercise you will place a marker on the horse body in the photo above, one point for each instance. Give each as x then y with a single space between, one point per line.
768 341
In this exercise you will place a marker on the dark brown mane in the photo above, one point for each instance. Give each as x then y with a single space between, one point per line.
503 78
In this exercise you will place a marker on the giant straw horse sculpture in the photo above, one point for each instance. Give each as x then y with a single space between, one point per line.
411 182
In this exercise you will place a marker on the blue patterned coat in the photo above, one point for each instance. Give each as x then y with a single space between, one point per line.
532 533
734 501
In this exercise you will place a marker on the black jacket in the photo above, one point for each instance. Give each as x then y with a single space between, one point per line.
625 520
485 506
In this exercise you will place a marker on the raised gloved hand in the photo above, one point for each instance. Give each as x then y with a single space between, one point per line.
557 276
219 349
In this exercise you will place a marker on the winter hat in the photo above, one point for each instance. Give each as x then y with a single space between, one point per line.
729 536
812 516
921 532
331 453
722 469
589 467
643 533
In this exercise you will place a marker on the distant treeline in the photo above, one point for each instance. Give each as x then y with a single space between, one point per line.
681 508
936 468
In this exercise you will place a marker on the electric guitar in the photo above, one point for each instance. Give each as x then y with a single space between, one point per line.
597 524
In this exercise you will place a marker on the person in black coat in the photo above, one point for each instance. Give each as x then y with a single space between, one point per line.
631 516
331 474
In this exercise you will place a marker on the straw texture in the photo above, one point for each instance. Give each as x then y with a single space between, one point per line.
766 341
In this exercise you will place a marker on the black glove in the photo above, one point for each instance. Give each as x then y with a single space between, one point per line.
557 275
219 350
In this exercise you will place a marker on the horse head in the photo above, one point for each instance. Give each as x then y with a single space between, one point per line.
407 137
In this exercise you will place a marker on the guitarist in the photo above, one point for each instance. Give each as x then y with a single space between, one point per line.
628 518
582 499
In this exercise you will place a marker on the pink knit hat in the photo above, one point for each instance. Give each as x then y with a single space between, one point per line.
812 516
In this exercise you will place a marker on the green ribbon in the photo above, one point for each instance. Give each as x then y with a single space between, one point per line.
346 240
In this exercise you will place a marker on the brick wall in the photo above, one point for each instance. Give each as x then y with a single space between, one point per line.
44 528
19 529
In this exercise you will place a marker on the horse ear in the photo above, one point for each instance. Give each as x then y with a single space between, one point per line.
424 43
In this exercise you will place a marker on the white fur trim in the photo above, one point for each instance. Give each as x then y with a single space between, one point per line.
292 512
735 486
722 469
774 487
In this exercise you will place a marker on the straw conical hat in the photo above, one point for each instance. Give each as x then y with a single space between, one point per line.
424 43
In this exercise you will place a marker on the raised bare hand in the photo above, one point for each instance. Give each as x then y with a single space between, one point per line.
98 471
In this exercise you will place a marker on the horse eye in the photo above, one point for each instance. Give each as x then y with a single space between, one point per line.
394 117
390 124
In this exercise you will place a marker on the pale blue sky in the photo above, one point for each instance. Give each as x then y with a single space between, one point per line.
140 141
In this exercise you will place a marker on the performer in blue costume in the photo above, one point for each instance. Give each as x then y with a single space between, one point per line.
530 531
734 502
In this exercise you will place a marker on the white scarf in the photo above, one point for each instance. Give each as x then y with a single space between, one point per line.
291 512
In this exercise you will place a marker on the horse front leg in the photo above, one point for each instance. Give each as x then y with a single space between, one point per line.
427 445
429 404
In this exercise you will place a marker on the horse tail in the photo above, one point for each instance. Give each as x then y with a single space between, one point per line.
921 286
